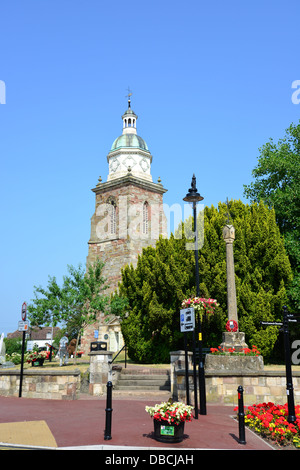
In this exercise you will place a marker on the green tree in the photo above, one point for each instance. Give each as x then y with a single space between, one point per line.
164 276
263 272
277 183
75 304
154 290
13 345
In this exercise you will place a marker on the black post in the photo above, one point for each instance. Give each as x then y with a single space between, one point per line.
108 412
187 385
288 367
196 249
193 197
50 355
22 365
195 374
202 390
241 416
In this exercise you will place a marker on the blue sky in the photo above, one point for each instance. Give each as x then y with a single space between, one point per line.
211 83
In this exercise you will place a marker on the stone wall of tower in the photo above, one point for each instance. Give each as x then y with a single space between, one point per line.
123 247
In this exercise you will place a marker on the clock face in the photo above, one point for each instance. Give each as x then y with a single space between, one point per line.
144 164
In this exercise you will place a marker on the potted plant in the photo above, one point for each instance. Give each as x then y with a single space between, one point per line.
37 357
169 418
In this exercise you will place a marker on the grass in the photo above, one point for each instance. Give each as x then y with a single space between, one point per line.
121 360
84 362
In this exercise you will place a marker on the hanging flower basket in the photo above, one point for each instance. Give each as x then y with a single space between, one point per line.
200 305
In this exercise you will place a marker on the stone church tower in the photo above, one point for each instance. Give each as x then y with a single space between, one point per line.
128 217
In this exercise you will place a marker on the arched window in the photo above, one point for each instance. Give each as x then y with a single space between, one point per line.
145 217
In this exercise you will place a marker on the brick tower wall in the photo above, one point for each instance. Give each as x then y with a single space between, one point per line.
123 247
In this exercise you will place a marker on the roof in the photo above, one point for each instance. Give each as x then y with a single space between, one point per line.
35 333
129 141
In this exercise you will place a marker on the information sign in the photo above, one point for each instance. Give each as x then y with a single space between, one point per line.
23 325
167 431
187 320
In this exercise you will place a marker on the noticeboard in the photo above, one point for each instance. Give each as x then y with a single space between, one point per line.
187 320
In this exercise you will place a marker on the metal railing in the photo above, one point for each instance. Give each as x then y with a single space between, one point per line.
115 357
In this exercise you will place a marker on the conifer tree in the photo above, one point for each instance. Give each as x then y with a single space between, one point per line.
165 275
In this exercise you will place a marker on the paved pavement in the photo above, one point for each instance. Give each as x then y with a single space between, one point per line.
80 424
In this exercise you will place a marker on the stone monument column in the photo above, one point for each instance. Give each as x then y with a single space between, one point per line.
229 237
232 339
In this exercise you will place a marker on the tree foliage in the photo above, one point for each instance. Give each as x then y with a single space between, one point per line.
277 183
154 290
165 275
75 304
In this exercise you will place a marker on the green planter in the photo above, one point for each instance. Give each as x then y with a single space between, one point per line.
37 363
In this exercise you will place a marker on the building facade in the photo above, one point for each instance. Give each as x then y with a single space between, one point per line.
128 217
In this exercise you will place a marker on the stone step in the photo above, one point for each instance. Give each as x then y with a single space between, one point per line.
142 387
143 383
145 371
159 395
140 378
135 380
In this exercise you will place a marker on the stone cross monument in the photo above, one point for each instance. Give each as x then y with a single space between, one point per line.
229 237
231 339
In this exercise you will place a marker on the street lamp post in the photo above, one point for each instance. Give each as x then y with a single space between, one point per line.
193 197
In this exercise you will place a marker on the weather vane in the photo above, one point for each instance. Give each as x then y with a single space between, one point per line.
129 96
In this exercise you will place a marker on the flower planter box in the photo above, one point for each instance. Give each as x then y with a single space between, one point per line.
168 433
169 418
37 363
216 362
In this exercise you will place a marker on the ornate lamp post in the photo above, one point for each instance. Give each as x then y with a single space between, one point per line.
193 197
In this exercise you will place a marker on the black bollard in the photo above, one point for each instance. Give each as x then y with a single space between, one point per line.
108 412
241 415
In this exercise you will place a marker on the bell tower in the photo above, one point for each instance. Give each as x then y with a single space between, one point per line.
128 212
